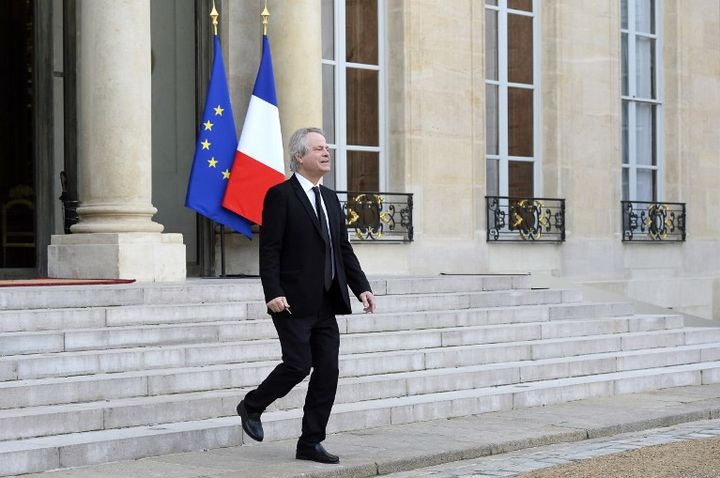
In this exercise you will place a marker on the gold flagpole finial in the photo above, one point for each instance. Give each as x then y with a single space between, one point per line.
214 15
265 15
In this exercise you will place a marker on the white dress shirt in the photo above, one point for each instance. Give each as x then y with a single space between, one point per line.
307 186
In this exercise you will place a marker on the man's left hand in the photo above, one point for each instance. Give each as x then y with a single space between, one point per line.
368 300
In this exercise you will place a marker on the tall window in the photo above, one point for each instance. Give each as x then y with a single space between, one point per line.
354 92
641 100
512 99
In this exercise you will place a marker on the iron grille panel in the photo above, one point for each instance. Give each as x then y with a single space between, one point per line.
518 219
378 216
645 221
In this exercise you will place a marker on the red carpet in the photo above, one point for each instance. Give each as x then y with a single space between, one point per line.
47 281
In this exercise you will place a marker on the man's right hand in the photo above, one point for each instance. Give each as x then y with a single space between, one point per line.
278 304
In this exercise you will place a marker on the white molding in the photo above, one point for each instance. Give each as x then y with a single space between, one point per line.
382 97
537 101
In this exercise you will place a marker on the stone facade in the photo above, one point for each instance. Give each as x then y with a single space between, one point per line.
436 138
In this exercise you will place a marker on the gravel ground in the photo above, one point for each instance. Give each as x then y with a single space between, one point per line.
689 459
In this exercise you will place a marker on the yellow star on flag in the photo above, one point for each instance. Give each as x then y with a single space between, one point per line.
208 125
205 144
226 174
218 111
212 162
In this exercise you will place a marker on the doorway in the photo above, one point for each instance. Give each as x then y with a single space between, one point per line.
18 233
173 116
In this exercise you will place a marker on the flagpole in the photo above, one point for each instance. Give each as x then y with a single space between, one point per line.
259 163
222 250
214 16
265 16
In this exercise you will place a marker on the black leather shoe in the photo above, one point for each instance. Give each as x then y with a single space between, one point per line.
250 422
315 452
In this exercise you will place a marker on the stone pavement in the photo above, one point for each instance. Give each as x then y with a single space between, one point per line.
524 461
507 440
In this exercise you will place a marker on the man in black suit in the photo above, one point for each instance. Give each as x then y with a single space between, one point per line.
306 266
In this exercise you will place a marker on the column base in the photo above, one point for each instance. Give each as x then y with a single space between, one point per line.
145 257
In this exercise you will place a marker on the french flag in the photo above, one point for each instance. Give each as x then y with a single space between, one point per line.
258 163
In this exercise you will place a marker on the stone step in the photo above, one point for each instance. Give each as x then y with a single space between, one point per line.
117 360
71 319
85 448
199 291
249 369
38 320
27 321
122 349
449 283
492 316
229 290
472 300
32 422
563 347
17 343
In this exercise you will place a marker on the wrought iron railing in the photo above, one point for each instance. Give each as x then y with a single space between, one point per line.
525 219
378 216
653 221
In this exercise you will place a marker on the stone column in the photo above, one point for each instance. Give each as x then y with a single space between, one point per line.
295 34
116 237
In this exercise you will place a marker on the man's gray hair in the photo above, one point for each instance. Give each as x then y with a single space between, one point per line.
297 146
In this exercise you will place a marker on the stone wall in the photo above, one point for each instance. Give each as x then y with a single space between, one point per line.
436 143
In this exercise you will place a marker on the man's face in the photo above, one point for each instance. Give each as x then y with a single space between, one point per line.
316 162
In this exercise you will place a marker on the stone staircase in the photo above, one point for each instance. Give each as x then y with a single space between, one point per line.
106 373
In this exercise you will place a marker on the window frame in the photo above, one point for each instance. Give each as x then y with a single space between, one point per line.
633 101
338 144
503 157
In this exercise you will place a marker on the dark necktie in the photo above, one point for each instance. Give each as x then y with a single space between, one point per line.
326 237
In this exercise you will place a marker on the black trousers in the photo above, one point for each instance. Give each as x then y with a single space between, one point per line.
307 343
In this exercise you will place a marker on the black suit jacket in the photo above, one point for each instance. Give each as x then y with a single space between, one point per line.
292 250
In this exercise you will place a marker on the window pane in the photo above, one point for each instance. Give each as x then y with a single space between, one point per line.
491 45
491 2
645 185
520 122
520 49
645 16
328 102
363 171
645 134
328 29
624 65
625 139
624 14
491 120
520 5
520 179
645 68
493 177
362 107
329 179
361 31
626 184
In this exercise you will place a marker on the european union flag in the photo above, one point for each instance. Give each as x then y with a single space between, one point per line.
214 153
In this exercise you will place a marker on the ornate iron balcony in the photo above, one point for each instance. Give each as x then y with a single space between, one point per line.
525 219
653 221
377 216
